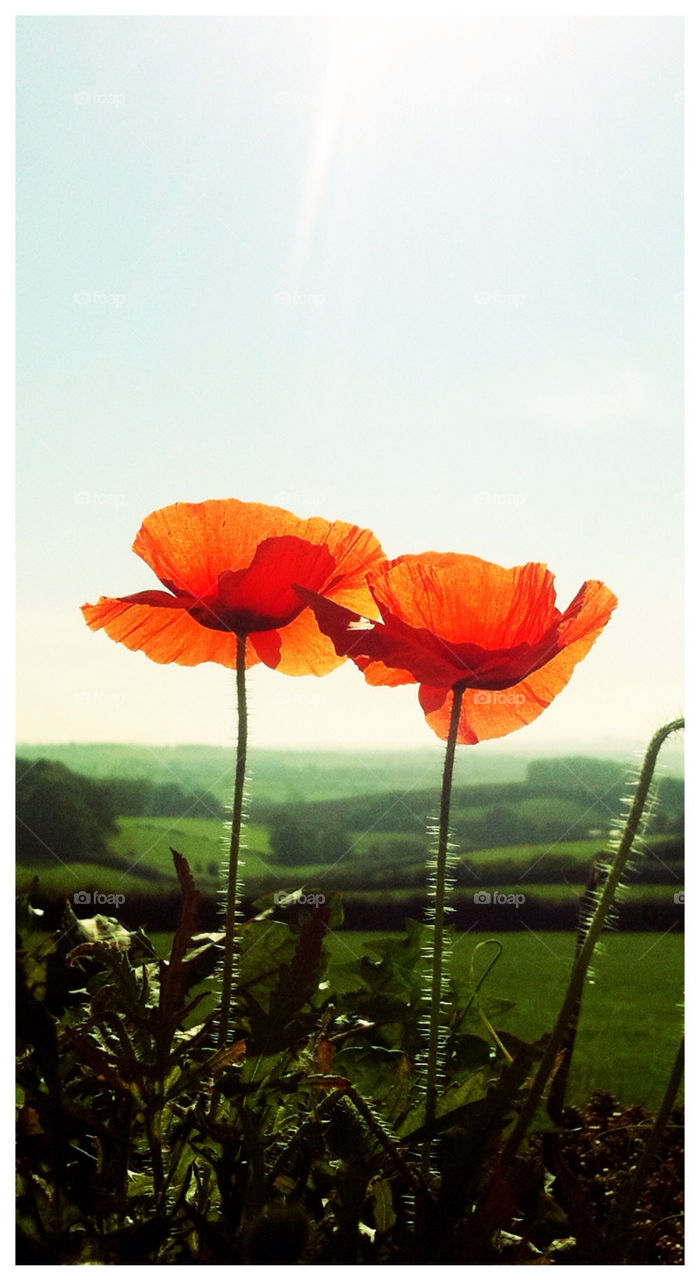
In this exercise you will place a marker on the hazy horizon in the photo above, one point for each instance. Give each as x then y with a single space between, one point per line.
607 747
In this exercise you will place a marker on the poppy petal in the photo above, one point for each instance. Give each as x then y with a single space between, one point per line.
358 638
494 713
299 649
356 552
157 599
392 652
590 608
262 597
189 544
163 634
465 600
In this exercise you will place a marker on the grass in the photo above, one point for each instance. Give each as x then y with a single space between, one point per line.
203 841
582 851
142 843
631 1019
64 880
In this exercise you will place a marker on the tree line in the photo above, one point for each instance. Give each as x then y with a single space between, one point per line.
59 812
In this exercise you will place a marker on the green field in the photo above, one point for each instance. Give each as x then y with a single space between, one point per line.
201 840
142 864
631 1019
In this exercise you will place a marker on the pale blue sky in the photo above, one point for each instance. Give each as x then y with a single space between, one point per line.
421 275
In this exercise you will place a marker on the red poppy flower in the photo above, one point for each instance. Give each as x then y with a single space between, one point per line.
454 620
228 567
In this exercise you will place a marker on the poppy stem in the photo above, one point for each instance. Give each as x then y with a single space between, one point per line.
234 850
438 927
585 952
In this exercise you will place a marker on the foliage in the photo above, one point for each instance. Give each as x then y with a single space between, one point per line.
580 777
295 841
140 1142
60 814
63 815
135 797
567 800
382 879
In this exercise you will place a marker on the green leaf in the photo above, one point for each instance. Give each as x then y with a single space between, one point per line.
384 1216
173 974
449 1105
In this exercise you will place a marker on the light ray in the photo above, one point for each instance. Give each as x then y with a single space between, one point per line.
355 47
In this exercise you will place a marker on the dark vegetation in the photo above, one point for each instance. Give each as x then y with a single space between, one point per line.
62 813
59 813
304 1140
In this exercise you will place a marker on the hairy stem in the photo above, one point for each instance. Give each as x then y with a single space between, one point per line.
234 850
439 926
595 928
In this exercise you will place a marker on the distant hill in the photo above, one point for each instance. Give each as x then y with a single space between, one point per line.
62 814
362 822
279 776
316 802
296 777
575 798
59 810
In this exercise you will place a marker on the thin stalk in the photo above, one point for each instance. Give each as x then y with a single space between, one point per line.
235 847
580 968
439 926
557 1090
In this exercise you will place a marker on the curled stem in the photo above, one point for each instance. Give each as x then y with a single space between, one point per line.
595 928
235 846
439 925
